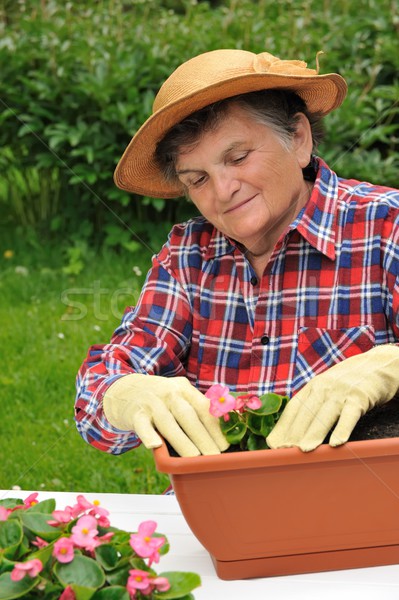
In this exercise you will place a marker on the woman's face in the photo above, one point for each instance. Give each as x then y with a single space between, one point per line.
244 181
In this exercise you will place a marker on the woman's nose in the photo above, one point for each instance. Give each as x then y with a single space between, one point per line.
225 184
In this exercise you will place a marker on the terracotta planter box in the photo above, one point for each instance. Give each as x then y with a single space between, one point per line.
280 512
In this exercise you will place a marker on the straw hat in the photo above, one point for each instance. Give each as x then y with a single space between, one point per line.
208 78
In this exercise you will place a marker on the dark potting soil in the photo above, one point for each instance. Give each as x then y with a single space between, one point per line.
379 422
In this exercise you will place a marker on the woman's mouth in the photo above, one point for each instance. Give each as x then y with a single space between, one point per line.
238 205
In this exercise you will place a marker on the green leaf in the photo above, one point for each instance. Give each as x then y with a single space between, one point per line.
120 538
254 423
15 589
82 571
45 507
271 403
11 535
83 592
107 556
237 434
260 425
11 502
181 584
43 554
256 442
234 419
119 576
234 429
284 401
164 549
131 246
115 592
6 564
266 425
37 523
157 203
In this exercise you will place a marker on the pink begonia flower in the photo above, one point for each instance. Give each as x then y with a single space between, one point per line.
81 506
247 401
67 594
61 516
254 402
31 500
30 567
106 537
39 543
101 514
240 403
141 580
145 545
4 512
221 401
84 532
94 509
138 580
63 550
161 584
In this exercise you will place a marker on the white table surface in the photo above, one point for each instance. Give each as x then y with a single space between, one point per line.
187 554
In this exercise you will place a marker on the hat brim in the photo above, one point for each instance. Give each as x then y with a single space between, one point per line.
137 170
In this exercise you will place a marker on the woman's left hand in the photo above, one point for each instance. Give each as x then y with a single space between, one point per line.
339 396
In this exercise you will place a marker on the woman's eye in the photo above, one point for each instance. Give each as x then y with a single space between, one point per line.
238 159
198 181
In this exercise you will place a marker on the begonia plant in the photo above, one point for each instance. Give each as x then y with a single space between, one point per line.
75 554
245 419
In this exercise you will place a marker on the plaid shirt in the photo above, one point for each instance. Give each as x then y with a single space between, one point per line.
329 291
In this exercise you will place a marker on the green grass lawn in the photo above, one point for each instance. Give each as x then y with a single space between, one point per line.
48 321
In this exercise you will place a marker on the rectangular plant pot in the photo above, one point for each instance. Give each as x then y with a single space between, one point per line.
279 512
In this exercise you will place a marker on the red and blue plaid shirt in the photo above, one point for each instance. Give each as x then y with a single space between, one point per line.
329 291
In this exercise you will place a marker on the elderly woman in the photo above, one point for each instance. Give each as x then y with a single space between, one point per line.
287 282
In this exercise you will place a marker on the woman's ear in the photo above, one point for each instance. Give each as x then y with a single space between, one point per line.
302 141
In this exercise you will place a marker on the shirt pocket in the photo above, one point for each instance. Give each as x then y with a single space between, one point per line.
319 349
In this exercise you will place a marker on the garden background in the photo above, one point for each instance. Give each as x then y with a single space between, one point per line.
77 78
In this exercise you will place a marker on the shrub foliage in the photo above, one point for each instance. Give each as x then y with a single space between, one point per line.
79 78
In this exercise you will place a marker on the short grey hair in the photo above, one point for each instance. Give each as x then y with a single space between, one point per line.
277 109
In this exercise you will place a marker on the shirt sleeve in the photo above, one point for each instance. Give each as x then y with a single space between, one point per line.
390 262
153 337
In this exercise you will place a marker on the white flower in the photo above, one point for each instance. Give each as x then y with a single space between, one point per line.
61 335
96 327
20 270
137 271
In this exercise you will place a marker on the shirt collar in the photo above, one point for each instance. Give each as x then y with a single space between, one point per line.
315 222
219 245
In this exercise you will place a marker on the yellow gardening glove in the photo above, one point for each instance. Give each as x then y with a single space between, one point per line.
146 404
341 395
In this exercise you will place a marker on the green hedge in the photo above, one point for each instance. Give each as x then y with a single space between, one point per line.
78 79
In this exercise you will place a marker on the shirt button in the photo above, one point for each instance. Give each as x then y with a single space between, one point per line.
254 280
264 340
